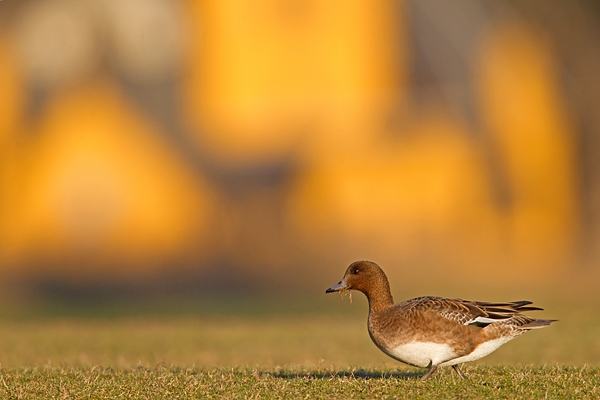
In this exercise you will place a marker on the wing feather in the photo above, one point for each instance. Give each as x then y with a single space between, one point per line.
468 312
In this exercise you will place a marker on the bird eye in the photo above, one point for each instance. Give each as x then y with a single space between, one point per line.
356 271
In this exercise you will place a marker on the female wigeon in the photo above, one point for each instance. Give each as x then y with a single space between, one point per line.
431 331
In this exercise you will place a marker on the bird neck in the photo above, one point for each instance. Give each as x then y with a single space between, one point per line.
379 295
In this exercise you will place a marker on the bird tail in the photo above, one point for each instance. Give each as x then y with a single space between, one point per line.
538 323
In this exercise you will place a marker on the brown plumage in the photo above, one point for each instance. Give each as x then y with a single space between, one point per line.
435 331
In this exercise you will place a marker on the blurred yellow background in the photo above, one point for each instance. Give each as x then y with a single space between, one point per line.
267 144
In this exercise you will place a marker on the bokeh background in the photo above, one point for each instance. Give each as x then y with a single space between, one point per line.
165 148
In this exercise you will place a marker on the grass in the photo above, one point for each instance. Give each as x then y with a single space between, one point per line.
230 383
323 353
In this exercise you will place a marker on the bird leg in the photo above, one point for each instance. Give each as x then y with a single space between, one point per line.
431 370
459 372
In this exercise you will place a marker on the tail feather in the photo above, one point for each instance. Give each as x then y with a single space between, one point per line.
538 323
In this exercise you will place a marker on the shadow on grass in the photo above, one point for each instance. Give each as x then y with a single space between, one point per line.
358 374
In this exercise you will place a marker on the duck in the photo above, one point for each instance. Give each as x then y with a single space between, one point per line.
432 332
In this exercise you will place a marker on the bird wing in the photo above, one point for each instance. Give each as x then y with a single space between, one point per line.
468 312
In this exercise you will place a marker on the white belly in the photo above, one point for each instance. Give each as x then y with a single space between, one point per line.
420 354
480 351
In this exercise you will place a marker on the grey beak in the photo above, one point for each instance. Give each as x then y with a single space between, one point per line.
337 287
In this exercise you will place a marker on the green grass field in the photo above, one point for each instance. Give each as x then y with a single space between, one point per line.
253 351
164 382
